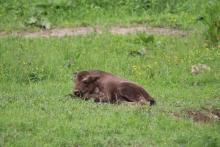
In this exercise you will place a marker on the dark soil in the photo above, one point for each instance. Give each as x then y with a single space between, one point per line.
204 115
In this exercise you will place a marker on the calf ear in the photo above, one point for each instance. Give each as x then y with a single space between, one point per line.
92 77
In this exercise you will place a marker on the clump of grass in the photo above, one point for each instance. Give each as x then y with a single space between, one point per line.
212 20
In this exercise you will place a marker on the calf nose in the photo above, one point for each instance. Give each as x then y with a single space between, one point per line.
77 93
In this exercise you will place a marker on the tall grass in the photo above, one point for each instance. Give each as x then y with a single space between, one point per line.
38 13
212 21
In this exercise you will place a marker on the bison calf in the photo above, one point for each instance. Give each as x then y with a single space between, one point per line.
105 87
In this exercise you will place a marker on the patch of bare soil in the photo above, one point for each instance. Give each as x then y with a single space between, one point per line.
61 32
203 115
153 30
2 33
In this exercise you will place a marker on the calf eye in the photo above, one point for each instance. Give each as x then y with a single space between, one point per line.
77 93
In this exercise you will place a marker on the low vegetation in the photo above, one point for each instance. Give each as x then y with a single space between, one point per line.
24 14
36 74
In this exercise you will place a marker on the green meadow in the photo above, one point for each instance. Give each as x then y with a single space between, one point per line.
36 73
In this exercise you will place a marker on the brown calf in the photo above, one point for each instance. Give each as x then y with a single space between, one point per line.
105 87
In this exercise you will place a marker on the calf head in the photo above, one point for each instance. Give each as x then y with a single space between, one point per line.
85 82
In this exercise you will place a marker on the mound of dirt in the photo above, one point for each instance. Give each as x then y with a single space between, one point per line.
204 115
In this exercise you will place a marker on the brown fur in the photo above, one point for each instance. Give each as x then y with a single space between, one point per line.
105 87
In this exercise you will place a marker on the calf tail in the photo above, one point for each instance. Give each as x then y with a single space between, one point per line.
152 102
148 97
144 101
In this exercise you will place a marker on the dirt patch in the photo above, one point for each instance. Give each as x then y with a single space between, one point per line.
153 30
2 33
61 32
203 115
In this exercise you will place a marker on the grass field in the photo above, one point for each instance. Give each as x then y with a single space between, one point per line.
36 74
23 14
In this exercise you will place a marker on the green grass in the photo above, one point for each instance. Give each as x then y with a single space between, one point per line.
23 14
36 74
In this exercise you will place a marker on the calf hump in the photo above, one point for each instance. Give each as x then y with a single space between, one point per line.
129 91
134 93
